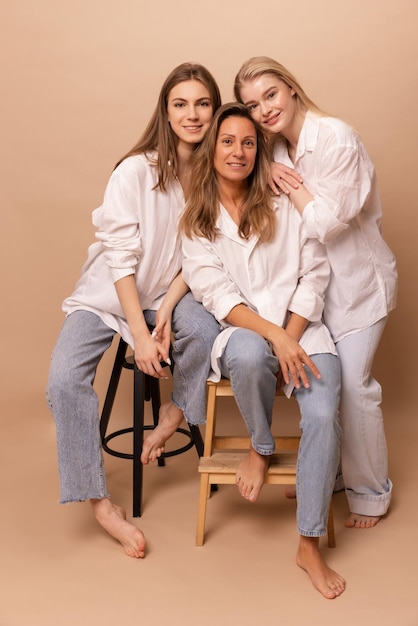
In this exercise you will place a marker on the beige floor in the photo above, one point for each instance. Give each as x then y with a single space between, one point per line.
59 569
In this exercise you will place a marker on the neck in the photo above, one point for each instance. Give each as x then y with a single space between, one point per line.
232 197
292 133
184 153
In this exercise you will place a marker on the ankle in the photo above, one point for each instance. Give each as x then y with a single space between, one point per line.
101 506
308 544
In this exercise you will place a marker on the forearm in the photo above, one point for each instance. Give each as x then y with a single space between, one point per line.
296 326
129 299
244 317
176 291
300 197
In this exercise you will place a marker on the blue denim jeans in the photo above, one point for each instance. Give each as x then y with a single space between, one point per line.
195 330
74 404
364 455
251 367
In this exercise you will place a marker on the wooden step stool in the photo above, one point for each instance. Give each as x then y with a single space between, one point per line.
223 454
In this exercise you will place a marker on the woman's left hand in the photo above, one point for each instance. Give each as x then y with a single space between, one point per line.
162 330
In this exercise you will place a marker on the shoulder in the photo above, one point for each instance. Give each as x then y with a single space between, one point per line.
133 175
338 131
138 165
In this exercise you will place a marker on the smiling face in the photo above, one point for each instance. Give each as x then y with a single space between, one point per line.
271 102
235 150
189 111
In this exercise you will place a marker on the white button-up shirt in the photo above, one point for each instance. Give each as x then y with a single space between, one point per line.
289 273
346 216
137 234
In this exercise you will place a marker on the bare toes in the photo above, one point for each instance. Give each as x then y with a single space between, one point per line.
356 520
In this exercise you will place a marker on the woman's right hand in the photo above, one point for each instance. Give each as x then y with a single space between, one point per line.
283 178
149 352
292 359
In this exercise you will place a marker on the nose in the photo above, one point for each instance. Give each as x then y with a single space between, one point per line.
265 108
193 115
238 151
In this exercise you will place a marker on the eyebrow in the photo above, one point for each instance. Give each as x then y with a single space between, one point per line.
265 92
233 136
186 99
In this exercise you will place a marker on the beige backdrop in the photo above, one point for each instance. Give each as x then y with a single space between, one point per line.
80 80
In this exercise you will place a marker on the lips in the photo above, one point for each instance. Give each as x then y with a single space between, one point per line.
272 119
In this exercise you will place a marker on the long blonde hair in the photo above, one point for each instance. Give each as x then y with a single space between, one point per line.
158 135
257 66
202 206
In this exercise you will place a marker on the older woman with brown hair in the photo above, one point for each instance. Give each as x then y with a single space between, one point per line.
249 261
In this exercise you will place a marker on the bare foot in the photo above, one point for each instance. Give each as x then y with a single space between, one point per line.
362 521
290 492
251 473
112 518
169 420
324 579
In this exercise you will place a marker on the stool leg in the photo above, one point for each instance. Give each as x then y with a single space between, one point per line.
113 385
152 386
197 438
330 527
201 515
138 439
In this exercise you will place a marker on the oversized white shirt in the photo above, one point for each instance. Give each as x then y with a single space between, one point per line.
345 215
137 234
289 273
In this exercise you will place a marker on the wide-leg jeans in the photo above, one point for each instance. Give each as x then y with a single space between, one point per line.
251 367
74 404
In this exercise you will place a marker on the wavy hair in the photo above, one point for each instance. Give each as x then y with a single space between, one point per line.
202 206
158 135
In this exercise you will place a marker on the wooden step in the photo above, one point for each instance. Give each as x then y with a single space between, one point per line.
228 462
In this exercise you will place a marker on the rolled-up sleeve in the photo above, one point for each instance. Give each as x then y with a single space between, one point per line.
343 183
117 222
314 273
208 279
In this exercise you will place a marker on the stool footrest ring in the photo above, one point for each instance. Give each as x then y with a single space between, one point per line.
127 455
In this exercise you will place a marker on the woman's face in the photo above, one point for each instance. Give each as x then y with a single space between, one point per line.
271 103
190 111
235 150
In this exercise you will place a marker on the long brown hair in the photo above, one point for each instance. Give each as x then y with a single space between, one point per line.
158 135
202 206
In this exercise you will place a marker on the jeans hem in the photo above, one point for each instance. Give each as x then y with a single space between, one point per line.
72 500
189 421
368 504
312 533
262 452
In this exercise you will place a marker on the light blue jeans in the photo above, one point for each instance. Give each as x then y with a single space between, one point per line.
251 367
74 404
364 454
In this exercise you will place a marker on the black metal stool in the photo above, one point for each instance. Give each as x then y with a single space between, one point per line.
145 388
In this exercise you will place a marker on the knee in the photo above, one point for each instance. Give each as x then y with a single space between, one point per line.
192 322
249 352
62 383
